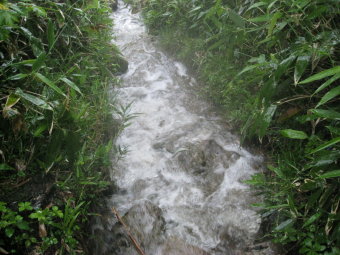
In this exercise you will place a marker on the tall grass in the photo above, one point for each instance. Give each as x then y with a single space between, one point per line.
57 67
274 67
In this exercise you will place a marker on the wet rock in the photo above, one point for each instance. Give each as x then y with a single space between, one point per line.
122 63
207 161
100 224
146 224
113 4
206 155
174 246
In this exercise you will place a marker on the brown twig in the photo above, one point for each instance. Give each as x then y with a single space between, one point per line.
133 240
21 183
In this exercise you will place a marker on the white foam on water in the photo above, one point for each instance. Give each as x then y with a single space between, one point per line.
199 206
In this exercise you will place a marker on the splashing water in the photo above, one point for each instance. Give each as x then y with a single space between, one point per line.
181 183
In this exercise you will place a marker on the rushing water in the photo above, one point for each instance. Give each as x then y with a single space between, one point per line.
181 183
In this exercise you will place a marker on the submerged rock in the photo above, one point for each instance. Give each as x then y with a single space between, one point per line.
175 246
114 4
122 63
144 221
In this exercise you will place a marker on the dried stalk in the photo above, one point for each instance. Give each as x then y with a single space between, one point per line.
133 240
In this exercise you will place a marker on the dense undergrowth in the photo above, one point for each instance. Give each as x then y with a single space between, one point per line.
274 67
56 129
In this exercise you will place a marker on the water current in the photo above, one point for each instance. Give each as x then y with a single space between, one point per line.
181 188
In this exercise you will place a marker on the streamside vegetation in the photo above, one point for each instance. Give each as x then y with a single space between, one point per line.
57 66
274 67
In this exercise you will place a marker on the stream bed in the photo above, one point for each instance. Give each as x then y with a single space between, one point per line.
180 186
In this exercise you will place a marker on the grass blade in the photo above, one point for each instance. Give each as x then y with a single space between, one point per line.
326 145
49 83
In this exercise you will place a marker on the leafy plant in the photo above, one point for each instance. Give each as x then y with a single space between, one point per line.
273 67
56 125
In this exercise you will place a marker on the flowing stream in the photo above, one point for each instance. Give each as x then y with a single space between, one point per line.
181 187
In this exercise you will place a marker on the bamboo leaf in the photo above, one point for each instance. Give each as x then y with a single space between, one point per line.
273 22
237 19
33 99
284 224
327 83
38 63
49 83
50 34
18 76
12 99
330 174
321 75
71 84
300 67
256 5
284 66
294 134
326 145
5 167
248 68
277 170
263 18
329 114
312 219
329 95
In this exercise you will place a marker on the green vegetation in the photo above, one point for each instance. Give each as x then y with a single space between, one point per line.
56 128
274 67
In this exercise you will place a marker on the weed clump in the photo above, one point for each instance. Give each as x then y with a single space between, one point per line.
57 68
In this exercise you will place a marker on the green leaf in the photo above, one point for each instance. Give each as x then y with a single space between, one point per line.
256 5
12 99
50 34
335 131
330 174
327 83
262 18
5 167
18 76
284 66
329 95
23 225
40 129
329 114
300 66
276 170
321 75
326 145
273 22
284 224
237 19
25 206
9 232
312 219
71 84
38 10
33 99
294 134
39 62
49 83
265 120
